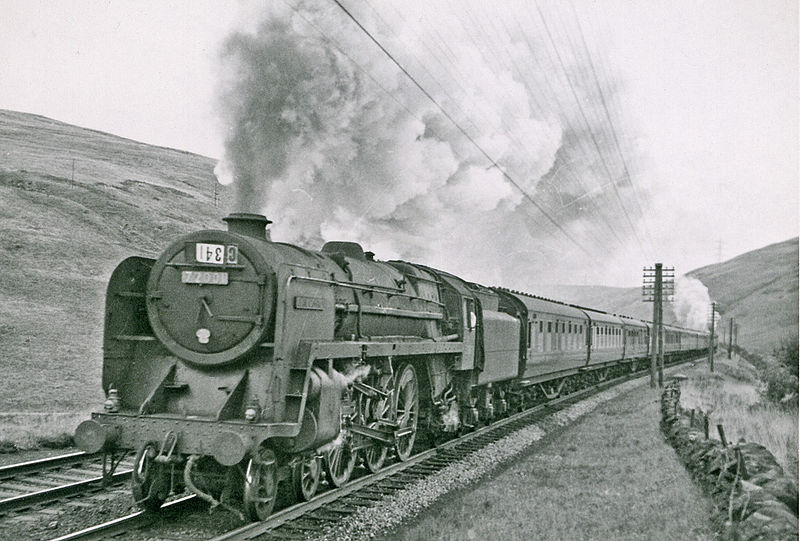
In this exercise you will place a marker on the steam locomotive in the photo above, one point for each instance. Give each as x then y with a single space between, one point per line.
235 366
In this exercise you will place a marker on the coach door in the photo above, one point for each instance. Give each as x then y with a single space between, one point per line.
470 330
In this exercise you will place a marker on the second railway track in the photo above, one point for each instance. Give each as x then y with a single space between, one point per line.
38 482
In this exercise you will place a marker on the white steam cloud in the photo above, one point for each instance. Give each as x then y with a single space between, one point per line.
691 304
332 142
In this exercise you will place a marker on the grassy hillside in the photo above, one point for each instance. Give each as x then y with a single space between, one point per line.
61 235
759 290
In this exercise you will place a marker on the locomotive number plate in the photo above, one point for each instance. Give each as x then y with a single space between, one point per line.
217 254
204 277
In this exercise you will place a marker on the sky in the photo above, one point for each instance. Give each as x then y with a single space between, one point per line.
706 97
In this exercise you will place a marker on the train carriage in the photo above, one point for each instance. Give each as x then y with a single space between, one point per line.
636 343
605 337
555 336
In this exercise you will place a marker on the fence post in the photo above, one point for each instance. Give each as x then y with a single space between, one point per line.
722 435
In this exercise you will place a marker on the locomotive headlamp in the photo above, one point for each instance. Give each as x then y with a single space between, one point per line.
111 405
251 413
203 335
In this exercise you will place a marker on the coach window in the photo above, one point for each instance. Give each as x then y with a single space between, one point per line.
530 335
569 335
540 337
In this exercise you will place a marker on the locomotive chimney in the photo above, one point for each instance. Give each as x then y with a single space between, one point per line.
251 225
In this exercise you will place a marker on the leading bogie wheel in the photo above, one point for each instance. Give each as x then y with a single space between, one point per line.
406 410
305 478
339 464
149 479
260 484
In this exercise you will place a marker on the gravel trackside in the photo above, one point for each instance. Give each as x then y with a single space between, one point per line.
610 475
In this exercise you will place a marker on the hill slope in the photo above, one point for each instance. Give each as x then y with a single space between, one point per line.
759 290
61 235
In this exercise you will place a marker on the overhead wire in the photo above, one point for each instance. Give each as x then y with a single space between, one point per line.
578 146
610 121
595 209
477 105
512 67
339 48
604 122
532 95
480 149
588 125
425 69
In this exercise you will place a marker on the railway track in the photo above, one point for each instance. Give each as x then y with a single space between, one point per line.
134 521
38 482
308 519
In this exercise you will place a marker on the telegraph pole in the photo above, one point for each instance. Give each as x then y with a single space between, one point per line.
656 281
730 337
711 338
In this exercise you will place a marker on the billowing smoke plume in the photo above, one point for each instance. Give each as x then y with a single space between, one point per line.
691 304
329 139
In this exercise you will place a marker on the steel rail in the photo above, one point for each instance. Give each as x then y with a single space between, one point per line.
51 494
33 466
130 522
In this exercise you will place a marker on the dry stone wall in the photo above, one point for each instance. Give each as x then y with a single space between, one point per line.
753 497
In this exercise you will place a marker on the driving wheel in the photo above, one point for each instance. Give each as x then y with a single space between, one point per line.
339 464
406 410
305 478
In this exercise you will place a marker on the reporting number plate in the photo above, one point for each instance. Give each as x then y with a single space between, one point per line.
217 254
